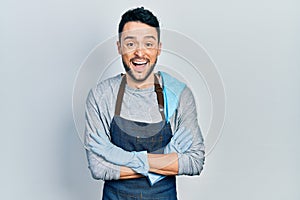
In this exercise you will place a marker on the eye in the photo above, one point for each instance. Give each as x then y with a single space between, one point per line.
129 44
149 44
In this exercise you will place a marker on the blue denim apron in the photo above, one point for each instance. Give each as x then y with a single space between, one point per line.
152 137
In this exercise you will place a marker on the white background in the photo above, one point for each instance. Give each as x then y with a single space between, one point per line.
255 45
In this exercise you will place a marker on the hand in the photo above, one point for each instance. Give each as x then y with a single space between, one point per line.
180 143
101 145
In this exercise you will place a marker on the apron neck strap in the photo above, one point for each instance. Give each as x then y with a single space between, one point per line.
158 91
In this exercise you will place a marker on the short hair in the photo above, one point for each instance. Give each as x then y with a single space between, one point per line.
139 15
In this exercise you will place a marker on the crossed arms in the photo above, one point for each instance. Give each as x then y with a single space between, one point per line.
189 162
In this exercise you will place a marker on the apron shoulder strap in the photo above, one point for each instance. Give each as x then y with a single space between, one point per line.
158 90
120 96
160 97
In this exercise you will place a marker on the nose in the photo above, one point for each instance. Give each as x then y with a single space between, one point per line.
139 51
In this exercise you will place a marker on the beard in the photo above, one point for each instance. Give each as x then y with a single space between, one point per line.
134 77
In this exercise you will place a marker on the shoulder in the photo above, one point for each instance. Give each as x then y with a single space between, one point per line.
187 100
106 88
108 84
187 93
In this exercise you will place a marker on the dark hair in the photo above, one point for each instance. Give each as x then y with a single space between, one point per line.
139 15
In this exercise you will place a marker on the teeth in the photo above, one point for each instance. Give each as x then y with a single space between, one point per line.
139 63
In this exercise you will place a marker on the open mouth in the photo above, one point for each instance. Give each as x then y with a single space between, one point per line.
139 65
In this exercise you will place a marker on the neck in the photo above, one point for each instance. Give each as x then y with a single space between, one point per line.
149 82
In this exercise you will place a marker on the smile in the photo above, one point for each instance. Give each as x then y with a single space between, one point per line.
139 63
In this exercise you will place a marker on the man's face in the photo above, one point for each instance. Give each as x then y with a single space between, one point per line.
139 48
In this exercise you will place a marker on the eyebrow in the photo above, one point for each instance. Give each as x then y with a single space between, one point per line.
150 37
129 38
132 37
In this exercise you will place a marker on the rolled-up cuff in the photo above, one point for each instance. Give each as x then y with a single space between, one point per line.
142 164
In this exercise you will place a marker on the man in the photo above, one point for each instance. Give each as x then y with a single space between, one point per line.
141 127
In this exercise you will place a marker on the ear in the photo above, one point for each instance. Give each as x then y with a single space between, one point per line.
119 47
159 48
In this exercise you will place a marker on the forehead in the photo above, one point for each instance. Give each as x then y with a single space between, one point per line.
138 30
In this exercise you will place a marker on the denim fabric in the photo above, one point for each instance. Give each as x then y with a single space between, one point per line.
140 188
154 143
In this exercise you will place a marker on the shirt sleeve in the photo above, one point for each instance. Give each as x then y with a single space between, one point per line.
191 162
96 120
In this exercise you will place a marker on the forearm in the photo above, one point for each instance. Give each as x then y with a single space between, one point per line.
101 169
128 173
166 164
